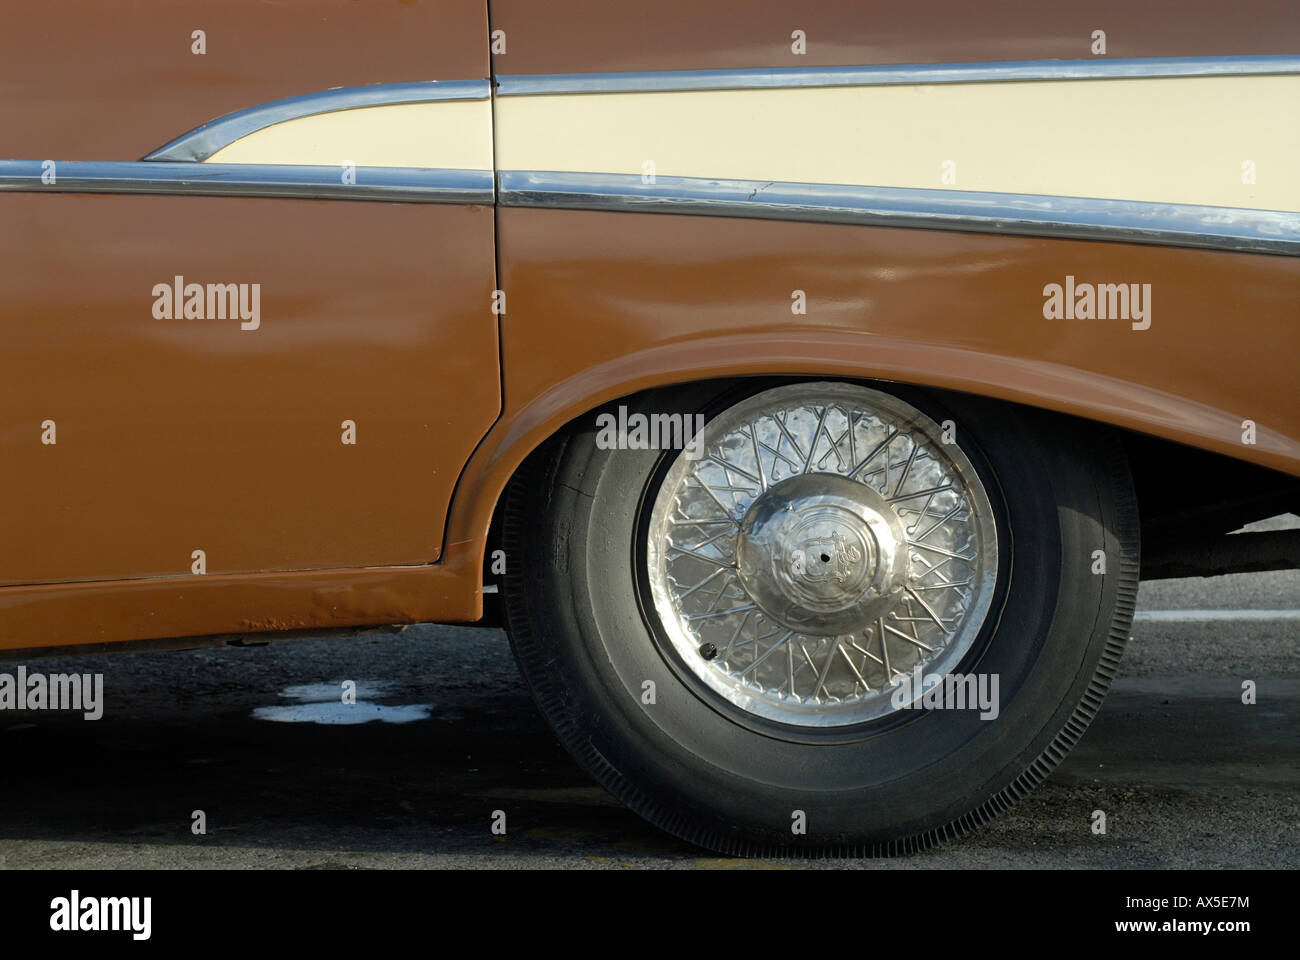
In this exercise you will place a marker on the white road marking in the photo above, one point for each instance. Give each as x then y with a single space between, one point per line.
1206 616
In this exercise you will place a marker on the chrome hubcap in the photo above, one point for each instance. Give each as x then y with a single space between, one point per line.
821 554
828 541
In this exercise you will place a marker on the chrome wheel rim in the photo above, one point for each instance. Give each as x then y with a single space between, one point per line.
818 543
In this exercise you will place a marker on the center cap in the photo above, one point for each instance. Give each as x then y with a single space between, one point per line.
822 554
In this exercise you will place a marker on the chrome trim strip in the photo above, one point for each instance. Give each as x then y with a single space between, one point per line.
1219 228
202 142
252 180
996 71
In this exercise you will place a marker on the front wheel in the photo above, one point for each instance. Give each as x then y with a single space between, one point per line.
837 619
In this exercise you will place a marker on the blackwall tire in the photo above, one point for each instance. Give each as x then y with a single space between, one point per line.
775 767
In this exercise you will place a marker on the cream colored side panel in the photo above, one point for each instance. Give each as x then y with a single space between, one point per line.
451 134
1178 140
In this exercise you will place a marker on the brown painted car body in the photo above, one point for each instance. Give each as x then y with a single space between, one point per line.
181 436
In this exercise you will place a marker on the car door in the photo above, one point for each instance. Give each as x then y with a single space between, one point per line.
270 345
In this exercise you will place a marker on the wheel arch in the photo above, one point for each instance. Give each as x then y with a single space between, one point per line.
1133 407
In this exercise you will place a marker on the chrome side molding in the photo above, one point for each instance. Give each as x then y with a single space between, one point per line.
202 142
992 72
249 180
1080 218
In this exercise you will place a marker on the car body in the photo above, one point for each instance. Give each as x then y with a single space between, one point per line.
292 293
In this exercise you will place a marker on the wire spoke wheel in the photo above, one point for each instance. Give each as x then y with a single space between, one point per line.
816 544
720 634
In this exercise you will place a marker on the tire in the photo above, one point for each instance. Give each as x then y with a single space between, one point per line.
752 768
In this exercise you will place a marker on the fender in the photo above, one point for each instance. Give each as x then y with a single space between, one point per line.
699 298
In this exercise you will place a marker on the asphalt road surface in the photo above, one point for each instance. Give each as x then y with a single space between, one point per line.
257 739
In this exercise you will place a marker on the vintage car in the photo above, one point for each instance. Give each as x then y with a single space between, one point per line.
803 386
